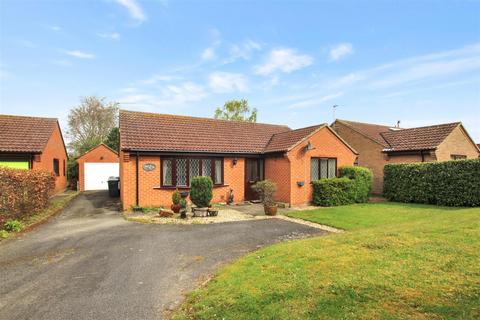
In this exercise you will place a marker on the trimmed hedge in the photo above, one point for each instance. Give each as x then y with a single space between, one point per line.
201 191
448 183
363 178
23 192
353 186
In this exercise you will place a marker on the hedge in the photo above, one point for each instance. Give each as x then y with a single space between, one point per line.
449 183
23 192
353 186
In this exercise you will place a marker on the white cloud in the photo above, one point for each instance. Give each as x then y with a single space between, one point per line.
135 10
156 78
227 82
315 101
110 35
55 28
340 51
80 54
284 60
243 50
62 62
209 54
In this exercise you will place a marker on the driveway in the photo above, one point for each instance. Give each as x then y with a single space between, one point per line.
89 263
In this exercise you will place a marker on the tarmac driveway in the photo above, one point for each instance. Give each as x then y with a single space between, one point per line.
89 263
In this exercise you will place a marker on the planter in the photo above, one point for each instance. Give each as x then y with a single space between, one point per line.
270 210
176 208
183 194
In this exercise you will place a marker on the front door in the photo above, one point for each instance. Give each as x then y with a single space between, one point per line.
254 171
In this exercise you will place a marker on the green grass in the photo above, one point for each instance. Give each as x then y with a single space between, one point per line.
397 261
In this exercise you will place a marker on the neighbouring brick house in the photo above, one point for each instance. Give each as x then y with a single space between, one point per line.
379 145
159 153
95 167
34 143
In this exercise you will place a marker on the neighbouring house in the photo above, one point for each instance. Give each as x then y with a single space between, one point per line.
379 144
159 153
34 143
95 167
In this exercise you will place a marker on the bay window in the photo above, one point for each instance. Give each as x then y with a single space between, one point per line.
179 171
323 168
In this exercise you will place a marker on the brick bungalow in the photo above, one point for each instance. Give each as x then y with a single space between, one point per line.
378 144
34 143
159 153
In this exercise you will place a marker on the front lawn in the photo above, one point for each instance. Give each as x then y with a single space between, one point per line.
396 261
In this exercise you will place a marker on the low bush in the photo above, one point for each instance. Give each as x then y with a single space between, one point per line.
201 191
24 192
13 226
176 197
448 183
333 192
4 234
363 178
353 185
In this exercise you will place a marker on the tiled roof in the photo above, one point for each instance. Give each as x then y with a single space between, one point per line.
285 140
373 131
25 134
140 131
421 138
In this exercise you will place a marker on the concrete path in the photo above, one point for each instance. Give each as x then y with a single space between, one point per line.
89 263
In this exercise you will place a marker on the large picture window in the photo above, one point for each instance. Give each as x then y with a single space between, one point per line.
323 168
179 171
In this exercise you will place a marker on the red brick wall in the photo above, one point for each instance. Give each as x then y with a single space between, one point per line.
149 182
277 169
325 144
99 154
55 149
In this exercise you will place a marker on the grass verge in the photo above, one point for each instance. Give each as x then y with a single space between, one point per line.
399 261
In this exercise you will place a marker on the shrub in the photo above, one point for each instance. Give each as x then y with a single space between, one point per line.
266 191
333 192
13 225
354 185
363 178
24 192
201 191
4 234
176 197
449 183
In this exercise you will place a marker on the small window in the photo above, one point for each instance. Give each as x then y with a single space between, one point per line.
218 171
323 168
458 157
206 167
167 172
356 162
56 167
64 168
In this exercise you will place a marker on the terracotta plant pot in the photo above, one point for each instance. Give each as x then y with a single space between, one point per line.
270 210
176 208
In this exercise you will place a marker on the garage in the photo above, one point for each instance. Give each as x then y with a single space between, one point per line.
96 166
97 174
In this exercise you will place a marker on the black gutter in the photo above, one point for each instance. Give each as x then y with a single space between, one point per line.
197 153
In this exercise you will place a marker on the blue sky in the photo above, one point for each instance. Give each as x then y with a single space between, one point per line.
380 61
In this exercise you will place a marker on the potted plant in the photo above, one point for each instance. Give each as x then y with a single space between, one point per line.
176 201
266 191
183 208
201 193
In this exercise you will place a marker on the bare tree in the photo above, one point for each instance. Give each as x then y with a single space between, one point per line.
90 123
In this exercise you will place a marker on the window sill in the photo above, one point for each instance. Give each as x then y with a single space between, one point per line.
186 188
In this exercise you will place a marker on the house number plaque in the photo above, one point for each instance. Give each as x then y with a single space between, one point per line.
149 167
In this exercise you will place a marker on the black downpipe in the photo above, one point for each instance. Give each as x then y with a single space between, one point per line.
136 180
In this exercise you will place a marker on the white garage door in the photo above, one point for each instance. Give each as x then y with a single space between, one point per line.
97 174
